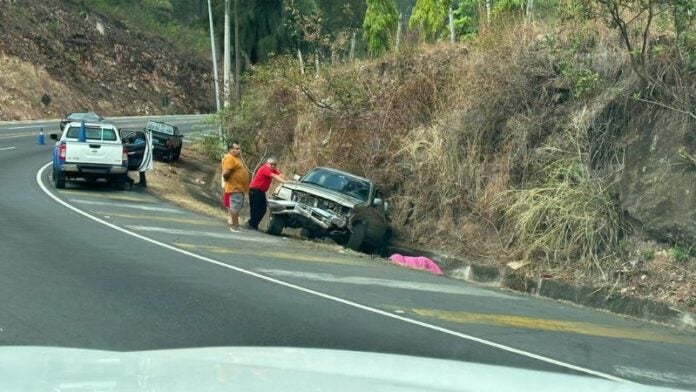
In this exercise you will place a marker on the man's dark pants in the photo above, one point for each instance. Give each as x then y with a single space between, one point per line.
257 207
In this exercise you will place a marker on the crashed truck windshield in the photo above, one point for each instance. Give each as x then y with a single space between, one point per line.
355 187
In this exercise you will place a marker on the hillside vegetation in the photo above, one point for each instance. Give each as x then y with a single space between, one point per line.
546 144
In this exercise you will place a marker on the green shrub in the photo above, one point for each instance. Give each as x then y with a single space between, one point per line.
212 147
649 255
585 81
681 254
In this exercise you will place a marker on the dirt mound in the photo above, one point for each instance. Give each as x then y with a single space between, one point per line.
58 56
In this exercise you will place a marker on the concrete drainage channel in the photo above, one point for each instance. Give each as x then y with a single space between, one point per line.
603 298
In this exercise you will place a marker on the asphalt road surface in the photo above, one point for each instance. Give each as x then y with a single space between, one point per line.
90 267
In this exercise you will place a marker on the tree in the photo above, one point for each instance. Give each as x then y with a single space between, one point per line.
503 6
684 13
430 17
633 19
466 18
381 20
162 9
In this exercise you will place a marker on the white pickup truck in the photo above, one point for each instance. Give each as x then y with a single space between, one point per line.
90 151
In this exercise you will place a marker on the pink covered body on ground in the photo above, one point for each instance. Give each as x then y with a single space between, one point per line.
416 262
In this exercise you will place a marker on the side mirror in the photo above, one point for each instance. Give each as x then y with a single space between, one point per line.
296 177
53 136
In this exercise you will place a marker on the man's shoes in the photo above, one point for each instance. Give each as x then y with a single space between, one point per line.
235 229
248 226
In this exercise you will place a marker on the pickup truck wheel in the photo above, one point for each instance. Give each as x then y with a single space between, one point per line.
120 183
276 224
308 233
58 179
177 154
357 236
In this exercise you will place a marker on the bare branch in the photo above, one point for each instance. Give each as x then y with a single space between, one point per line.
690 114
314 100
646 30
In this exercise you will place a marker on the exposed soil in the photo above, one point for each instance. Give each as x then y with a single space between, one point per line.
58 57
188 183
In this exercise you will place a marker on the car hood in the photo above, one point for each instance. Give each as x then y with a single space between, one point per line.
269 369
316 190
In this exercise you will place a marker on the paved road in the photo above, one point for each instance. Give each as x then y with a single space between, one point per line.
90 267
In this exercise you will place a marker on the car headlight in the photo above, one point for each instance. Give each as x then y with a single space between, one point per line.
283 193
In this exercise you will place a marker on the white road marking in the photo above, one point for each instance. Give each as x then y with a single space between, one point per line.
15 136
329 297
122 205
664 377
194 233
26 127
7 148
397 284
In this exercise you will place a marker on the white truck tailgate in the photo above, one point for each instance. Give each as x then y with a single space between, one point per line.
98 152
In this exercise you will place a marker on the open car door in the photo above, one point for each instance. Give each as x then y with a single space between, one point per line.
138 142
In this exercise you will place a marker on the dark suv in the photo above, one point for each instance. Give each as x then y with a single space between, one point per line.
88 117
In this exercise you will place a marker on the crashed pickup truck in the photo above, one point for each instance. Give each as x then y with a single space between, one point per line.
335 204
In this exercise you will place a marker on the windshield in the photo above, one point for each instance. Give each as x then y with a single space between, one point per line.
160 127
339 182
93 133
83 116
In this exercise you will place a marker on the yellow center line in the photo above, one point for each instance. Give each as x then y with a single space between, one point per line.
111 197
275 255
200 222
507 320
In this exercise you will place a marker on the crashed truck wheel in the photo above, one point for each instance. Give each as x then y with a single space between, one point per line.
357 235
276 225
309 233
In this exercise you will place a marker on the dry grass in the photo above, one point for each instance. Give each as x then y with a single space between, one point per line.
498 148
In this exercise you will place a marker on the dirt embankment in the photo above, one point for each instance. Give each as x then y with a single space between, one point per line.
530 144
59 56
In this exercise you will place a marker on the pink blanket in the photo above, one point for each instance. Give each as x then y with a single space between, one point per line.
420 262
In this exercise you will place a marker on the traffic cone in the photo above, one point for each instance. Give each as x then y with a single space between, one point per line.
40 139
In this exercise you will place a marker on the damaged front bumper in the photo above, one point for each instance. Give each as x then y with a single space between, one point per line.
315 216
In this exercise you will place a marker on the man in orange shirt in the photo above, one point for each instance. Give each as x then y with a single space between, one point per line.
236 178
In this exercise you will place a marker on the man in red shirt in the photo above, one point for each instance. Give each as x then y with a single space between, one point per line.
258 188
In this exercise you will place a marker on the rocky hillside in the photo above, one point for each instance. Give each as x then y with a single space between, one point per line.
60 56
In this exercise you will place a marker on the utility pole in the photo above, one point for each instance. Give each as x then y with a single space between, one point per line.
488 12
237 63
530 11
227 65
451 25
352 47
398 33
212 48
